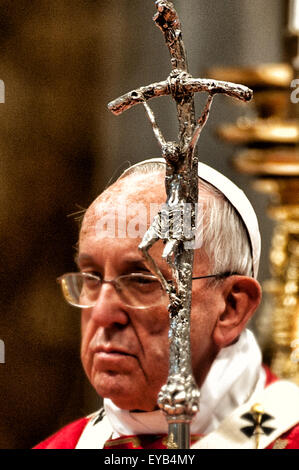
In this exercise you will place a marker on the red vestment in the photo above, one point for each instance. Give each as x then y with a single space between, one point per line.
67 437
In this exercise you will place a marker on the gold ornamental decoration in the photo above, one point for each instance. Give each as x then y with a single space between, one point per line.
271 155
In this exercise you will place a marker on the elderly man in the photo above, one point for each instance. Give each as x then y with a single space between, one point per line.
125 323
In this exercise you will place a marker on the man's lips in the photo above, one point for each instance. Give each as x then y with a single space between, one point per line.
106 351
112 359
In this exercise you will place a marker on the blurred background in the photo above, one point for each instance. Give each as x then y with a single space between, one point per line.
62 62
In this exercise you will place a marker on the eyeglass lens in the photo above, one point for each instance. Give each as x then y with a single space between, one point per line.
134 290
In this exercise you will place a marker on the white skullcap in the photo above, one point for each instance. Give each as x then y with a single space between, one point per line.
236 197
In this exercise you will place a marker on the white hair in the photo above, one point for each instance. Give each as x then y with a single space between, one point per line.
225 238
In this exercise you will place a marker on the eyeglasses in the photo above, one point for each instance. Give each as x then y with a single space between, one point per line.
135 290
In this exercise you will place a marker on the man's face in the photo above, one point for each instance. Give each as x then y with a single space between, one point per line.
125 350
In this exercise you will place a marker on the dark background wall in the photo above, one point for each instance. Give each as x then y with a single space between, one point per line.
62 62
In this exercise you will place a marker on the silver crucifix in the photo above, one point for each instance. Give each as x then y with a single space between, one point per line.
179 397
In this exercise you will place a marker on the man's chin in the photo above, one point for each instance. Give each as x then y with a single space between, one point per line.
122 391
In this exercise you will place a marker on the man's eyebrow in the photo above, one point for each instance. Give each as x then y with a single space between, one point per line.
79 258
86 257
137 263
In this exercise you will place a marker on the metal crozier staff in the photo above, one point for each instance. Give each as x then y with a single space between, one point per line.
179 398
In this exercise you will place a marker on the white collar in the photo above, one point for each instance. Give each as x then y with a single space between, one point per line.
235 375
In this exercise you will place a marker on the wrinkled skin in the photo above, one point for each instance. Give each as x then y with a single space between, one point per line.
124 351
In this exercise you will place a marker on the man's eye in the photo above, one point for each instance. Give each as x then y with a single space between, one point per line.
91 281
145 283
145 277
145 280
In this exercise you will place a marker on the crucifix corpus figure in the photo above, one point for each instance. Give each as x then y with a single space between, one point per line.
179 398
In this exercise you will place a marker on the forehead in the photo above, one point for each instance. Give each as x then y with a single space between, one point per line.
134 197
136 187
126 210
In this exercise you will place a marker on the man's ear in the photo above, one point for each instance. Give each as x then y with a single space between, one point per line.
242 296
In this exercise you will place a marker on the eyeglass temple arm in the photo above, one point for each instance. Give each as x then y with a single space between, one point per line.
227 274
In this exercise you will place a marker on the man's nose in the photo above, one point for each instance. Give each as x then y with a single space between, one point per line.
109 308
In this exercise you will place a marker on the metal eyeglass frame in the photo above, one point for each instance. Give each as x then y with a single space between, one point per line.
119 288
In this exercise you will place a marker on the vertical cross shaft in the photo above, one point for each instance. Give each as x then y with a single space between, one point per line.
179 397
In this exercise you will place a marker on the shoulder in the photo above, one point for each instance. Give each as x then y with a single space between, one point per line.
65 438
288 440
